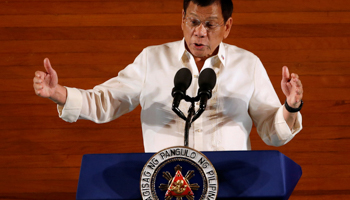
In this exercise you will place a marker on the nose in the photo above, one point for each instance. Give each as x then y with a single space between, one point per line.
200 31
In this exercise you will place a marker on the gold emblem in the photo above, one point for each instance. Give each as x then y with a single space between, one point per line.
178 186
198 180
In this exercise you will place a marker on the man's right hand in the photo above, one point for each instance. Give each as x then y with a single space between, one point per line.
46 84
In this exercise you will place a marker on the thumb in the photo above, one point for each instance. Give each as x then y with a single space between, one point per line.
285 74
48 67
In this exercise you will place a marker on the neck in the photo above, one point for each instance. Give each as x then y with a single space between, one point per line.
200 63
201 60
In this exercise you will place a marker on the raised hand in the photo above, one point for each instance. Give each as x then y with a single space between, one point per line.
46 84
292 88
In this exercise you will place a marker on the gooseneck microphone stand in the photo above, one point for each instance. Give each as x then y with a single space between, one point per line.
182 81
188 123
192 114
189 118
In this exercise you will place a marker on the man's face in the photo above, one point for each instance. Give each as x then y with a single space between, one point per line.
203 40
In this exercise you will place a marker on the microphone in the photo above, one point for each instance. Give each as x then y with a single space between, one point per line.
182 82
206 82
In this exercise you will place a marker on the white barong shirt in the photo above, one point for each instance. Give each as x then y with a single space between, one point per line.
243 94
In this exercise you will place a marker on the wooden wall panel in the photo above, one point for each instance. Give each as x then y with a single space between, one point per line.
90 41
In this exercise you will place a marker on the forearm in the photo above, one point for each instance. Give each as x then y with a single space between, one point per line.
59 96
289 117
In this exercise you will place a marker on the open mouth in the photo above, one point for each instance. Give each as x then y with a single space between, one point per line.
199 46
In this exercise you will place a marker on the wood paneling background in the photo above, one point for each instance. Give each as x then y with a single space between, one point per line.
89 41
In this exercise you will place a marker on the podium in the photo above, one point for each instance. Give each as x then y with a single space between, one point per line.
241 174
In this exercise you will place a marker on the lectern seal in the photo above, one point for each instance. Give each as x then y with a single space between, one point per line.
181 173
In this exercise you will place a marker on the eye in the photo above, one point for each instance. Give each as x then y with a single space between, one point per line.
195 22
210 24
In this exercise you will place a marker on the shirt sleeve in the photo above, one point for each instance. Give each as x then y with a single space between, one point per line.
109 100
267 112
71 110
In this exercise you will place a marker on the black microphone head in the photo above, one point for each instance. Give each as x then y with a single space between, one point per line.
183 79
207 79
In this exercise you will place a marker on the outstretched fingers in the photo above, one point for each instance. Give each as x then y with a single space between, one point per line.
297 88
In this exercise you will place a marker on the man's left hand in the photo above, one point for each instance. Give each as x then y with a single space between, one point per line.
292 88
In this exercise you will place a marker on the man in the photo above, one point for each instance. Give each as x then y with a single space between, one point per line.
243 92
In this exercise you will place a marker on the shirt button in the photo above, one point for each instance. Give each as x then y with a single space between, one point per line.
196 76
199 130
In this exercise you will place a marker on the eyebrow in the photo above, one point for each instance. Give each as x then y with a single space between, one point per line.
209 18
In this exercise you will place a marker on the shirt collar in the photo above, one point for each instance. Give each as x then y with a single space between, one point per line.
182 49
221 54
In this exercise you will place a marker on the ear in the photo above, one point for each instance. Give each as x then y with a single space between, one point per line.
228 26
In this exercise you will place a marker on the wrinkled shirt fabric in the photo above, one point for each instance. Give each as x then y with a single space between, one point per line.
243 95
